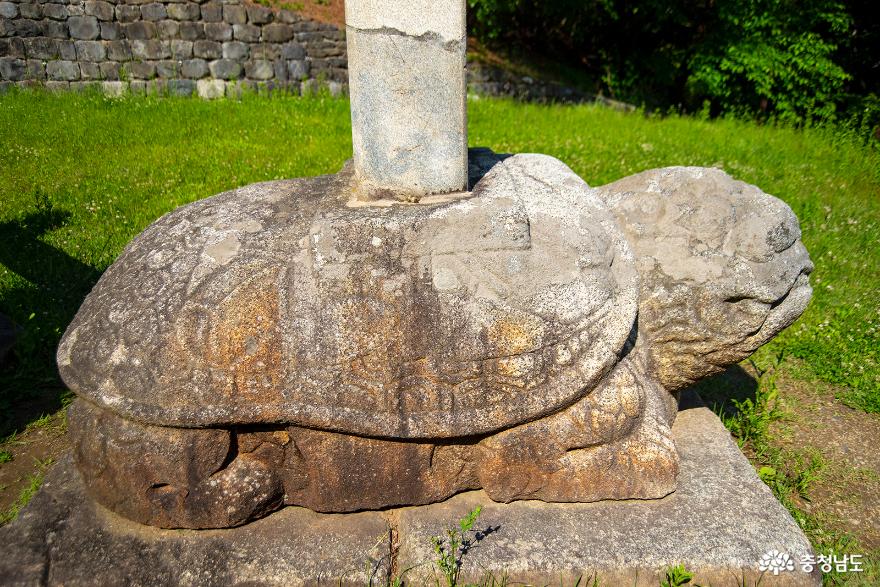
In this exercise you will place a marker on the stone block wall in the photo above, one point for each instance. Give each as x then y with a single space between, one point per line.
206 47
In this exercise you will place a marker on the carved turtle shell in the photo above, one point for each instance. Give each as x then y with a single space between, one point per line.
283 302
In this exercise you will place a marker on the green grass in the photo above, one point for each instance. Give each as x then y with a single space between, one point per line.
80 175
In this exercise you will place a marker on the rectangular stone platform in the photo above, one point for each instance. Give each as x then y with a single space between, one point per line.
718 524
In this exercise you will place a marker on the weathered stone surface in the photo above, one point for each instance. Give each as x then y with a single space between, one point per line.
194 68
8 10
259 69
235 50
211 88
41 48
99 9
127 13
407 84
154 11
110 31
150 49
298 70
114 88
722 265
168 29
63 538
471 315
90 51
119 50
218 31
141 30
277 33
212 12
170 477
616 443
12 69
183 11
259 14
718 523
181 49
62 70
83 27
234 13
226 69
207 49
246 32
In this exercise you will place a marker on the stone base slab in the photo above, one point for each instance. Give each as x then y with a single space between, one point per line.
718 524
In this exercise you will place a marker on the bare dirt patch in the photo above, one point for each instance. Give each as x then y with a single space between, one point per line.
31 451
847 490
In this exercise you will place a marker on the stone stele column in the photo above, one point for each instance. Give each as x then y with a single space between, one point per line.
406 62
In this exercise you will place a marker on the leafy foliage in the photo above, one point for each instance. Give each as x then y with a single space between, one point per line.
798 61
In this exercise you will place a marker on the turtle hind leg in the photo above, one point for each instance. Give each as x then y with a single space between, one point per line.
615 443
170 477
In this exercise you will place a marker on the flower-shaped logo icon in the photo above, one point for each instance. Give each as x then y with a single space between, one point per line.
775 562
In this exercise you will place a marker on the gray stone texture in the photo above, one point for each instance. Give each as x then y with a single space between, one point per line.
183 11
84 27
236 50
234 13
207 49
42 47
181 49
259 69
154 11
194 68
26 28
62 70
226 69
212 12
407 84
722 263
718 523
12 69
218 31
99 9
127 13
110 31
259 14
152 49
262 35
277 33
211 88
90 51
141 30
168 29
246 32
8 10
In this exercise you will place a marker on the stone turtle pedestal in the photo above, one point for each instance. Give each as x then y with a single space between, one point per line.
718 523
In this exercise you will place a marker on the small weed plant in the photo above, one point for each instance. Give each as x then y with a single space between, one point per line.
452 548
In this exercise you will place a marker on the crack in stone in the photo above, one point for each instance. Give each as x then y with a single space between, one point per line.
428 37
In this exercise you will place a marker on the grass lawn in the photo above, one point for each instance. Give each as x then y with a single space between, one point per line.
80 175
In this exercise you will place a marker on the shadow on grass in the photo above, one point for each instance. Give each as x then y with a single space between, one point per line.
720 391
56 284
